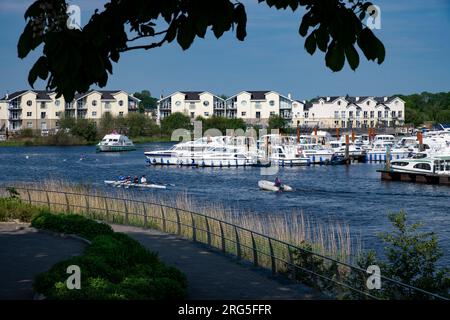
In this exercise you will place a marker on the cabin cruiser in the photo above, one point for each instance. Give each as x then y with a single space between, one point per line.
439 165
218 156
379 150
316 153
339 147
285 155
115 142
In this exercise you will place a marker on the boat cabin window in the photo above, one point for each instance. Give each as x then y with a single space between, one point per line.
423 166
400 163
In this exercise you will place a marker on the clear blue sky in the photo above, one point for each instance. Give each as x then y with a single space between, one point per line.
416 34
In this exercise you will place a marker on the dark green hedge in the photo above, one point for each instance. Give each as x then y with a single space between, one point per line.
114 266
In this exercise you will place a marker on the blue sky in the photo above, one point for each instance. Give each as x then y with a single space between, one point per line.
415 33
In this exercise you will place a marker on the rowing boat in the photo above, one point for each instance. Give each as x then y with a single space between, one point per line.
270 186
134 185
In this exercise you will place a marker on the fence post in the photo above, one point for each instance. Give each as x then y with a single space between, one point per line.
48 199
145 215
238 243
163 216
87 205
178 221
208 232
292 263
194 229
107 209
67 202
255 252
222 236
272 257
29 196
126 211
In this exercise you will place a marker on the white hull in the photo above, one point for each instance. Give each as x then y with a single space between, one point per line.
134 185
270 186
199 162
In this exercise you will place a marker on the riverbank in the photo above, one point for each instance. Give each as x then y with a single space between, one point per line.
71 141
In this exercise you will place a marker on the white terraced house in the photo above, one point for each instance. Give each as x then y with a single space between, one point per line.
252 106
40 110
353 112
192 104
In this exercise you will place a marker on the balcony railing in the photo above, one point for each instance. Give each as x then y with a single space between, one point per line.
14 106
15 117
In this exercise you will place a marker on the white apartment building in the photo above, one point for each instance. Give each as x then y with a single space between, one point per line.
353 112
252 106
40 110
192 104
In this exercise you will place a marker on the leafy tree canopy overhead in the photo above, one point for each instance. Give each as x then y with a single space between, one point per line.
72 60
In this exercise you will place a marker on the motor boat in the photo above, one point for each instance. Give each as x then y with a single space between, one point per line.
270 186
115 142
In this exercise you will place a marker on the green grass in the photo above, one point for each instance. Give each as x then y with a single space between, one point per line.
14 209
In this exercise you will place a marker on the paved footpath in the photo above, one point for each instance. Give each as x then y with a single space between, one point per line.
26 252
213 275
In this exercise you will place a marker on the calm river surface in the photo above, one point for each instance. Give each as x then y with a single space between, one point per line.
354 195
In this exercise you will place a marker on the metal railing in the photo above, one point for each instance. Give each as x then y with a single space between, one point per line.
296 262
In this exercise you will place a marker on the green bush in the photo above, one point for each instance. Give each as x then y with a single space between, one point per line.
15 209
114 266
70 224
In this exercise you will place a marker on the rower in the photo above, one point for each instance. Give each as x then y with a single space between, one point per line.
143 179
136 179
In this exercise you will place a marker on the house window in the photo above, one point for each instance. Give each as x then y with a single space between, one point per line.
206 114
258 104
94 102
121 113
243 113
57 114
271 103
29 103
192 115
94 113
258 115
350 114
29 114
393 114
43 115
365 114
343 124
342 114
306 114
368 103
57 103
372 123
336 114
43 105
386 113
400 114
339 103
372 114
243 103
57 123
358 113
120 103
379 114
206 103
29 124
272 113
107 105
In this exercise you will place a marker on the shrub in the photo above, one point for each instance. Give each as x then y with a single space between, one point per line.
71 224
15 209
114 266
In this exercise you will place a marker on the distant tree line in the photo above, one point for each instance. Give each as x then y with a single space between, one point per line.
423 107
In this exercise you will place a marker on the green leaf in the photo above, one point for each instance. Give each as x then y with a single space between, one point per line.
39 69
371 46
335 57
310 43
352 57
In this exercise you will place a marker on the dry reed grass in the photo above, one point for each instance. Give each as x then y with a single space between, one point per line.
150 210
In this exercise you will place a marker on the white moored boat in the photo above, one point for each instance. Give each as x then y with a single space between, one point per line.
114 143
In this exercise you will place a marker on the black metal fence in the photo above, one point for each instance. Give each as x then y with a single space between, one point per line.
331 276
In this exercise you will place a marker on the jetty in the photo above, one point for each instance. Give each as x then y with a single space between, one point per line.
428 178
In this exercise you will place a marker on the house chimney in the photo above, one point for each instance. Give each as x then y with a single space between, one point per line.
289 96
385 99
304 101
7 96
357 98
328 99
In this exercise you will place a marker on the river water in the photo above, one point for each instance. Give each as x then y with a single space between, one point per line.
354 195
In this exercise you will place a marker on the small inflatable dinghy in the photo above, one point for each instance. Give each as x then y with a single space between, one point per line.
270 186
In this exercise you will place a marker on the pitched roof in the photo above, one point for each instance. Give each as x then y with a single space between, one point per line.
192 95
258 95
14 95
